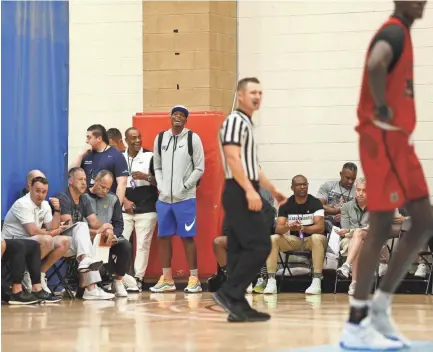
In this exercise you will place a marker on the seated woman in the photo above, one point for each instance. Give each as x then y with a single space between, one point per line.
18 254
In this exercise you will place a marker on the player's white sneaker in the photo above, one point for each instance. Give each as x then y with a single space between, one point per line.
249 289
365 337
383 322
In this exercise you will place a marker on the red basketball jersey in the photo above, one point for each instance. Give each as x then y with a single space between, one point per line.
399 87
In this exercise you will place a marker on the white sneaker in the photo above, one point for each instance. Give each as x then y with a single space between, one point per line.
97 294
315 287
271 286
352 288
130 284
89 264
383 268
27 282
383 322
364 337
44 284
119 288
421 271
250 288
344 271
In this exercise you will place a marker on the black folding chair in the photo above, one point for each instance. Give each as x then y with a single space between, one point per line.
70 279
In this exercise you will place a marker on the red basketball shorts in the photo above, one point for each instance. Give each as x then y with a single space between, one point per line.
392 170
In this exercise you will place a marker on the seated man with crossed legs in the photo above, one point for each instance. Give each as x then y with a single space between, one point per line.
300 226
76 208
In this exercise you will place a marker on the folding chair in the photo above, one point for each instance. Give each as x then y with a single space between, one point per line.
71 277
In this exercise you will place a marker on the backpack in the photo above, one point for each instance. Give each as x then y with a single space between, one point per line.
190 148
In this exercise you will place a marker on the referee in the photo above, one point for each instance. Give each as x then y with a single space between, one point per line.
248 243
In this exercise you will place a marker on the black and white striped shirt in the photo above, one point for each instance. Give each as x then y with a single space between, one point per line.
237 129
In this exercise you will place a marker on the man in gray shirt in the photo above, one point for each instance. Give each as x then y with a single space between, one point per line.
109 211
333 194
179 163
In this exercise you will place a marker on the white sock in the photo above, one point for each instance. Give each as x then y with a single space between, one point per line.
194 272
359 303
381 301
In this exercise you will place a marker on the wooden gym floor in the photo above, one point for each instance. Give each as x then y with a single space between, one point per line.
181 322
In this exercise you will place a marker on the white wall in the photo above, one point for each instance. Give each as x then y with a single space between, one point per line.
309 57
106 75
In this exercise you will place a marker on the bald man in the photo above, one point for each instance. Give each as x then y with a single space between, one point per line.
30 176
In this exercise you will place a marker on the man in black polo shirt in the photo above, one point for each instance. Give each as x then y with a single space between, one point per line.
102 156
300 226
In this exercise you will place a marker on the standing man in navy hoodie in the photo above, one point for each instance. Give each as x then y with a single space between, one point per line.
179 164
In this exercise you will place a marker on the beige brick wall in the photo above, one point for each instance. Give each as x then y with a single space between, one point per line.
195 66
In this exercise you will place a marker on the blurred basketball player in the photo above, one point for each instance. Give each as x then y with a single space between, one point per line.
387 118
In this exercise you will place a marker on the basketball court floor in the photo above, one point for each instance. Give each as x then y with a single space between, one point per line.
181 322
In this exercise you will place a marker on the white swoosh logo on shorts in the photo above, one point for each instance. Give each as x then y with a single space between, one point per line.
188 228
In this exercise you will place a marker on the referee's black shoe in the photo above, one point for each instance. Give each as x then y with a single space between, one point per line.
249 316
238 311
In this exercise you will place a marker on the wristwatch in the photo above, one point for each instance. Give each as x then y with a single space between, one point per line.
134 208
149 178
57 211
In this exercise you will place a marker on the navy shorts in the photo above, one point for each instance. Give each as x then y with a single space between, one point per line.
177 218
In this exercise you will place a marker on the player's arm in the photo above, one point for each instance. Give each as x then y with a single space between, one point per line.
385 51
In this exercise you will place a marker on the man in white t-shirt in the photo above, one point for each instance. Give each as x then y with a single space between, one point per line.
25 218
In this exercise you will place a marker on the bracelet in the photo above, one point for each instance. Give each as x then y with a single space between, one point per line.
57 211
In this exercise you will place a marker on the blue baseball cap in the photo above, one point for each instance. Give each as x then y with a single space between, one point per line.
181 109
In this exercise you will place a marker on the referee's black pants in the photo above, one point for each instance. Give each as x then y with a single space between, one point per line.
248 241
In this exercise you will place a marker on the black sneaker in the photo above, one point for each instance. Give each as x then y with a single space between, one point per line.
22 298
45 297
249 316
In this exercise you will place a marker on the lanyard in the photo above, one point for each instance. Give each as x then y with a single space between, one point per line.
343 193
359 218
132 161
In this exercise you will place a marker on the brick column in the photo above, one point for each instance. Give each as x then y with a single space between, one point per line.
189 54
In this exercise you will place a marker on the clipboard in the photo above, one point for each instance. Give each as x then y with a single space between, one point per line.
68 228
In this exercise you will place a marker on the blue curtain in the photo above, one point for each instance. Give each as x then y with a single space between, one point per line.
34 95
